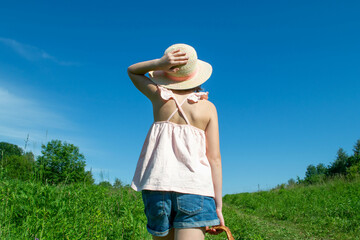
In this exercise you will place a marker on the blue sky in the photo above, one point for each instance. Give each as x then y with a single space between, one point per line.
286 79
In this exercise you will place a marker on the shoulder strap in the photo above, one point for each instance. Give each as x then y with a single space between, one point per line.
179 108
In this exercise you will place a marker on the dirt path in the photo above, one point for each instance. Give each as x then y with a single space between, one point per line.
246 226
251 227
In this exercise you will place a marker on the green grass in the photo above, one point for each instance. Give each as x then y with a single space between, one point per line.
29 209
326 211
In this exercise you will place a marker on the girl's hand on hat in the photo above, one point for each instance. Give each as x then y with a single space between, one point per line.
169 61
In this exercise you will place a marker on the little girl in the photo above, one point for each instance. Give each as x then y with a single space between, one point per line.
179 169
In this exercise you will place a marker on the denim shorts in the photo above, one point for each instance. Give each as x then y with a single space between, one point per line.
166 210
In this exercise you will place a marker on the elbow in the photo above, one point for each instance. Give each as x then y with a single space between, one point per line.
215 161
132 72
129 71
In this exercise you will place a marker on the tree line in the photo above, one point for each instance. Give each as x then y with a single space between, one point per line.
58 163
62 163
344 165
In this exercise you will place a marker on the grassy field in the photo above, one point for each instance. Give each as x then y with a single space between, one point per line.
325 211
29 210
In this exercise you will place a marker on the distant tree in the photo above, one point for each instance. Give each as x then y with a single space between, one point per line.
118 183
88 178
8 149
310 172
105 184
357 148
353 171
299 180
321 168
353 162
315 174
355 159
291 182
343 165
19 167
30 156
62 163
340 164
15 163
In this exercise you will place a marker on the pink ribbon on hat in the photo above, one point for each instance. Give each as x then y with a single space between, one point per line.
184 78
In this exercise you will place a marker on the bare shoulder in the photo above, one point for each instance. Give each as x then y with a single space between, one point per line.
206 111
209 106
212 127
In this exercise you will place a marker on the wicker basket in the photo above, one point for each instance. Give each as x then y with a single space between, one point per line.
226 229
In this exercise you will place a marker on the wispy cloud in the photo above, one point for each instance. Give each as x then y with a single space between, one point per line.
20 116
32 53
22 112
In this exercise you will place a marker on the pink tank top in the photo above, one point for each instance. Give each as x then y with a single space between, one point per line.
173 157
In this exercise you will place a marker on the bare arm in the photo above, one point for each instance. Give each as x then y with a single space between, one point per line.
137 71
213 154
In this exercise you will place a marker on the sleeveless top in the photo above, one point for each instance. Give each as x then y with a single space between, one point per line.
173 157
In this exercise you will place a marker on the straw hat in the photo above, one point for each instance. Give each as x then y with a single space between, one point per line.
194 73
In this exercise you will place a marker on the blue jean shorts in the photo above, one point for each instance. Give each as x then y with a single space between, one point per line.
166 210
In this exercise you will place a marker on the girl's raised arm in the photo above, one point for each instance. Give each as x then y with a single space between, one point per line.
167 63
137 73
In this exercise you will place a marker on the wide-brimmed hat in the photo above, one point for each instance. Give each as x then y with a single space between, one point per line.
194 73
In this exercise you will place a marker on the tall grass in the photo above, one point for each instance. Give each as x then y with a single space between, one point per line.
77 211
28 210
329 210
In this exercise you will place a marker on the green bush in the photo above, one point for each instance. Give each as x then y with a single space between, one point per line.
354 171
15 163
62 163
18 167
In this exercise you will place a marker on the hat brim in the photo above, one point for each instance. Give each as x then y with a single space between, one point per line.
202 75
